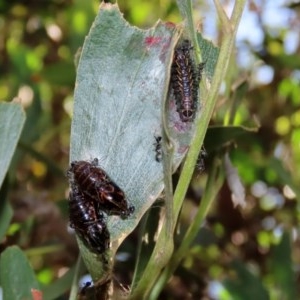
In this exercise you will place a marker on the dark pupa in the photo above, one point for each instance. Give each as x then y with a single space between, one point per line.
88 223
96 184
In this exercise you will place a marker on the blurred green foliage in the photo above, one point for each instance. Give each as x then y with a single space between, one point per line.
39 40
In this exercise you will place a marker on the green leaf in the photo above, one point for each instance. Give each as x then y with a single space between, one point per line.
62 73
220 136
34 126
58 287
210 54
51 165
282 269
16 276
122 80
284 175
12 119
6 211
246 286
145 247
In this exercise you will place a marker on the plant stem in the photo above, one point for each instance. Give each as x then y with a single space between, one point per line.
160 256
137 270
74 287
201 127
203 121
164 246
214 183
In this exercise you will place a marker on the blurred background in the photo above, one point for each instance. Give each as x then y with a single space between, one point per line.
256 248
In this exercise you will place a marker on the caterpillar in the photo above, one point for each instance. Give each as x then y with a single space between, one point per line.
185 79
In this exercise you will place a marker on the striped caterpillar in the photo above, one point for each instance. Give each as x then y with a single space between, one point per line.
185 79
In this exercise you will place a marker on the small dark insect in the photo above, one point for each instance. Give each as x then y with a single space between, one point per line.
185 79
95 183
88 223
200 161
158 150
85 287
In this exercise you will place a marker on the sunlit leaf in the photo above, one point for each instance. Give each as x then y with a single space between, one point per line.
12 119
16 275
122 80
6 211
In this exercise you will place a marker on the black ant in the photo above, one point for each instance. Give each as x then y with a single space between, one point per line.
158 150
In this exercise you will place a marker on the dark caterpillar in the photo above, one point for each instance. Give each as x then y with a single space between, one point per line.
88 223
185 79
94 183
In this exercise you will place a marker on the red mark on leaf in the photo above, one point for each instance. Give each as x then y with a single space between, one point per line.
152 41
36 294
170 25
